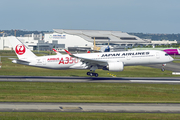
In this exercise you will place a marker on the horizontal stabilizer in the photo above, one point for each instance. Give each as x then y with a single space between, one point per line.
18 61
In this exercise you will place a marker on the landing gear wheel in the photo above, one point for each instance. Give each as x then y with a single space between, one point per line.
88 73
162 69
96 75
92 74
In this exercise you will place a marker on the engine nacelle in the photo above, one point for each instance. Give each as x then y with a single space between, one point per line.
115 66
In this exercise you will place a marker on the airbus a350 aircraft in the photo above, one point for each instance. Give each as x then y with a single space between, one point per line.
112 61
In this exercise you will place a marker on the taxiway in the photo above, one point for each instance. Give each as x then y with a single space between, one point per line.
169 80
90 107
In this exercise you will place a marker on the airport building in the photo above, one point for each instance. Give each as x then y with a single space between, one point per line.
29 40
164 42
32 41
75 40
85 38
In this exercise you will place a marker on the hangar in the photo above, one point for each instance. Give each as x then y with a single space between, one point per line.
115 37
103 37
85 38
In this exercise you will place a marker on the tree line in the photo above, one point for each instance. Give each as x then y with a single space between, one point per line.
19 33
170 37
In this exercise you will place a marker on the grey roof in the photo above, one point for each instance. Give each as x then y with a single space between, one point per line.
103 36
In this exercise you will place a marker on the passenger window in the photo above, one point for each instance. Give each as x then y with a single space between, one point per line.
166 54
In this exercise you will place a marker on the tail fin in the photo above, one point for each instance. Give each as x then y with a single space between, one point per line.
20 49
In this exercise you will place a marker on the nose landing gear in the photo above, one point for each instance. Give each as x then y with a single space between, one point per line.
163 69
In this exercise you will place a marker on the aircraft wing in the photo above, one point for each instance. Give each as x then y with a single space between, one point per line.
89 61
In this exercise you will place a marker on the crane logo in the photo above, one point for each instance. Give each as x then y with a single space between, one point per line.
20 49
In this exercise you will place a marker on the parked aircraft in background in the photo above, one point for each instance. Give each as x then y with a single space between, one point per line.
112 61
101 49
172 51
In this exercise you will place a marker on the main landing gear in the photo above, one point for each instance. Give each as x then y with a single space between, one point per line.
163 69
93 68
92 74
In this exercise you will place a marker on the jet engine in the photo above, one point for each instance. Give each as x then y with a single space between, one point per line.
115 66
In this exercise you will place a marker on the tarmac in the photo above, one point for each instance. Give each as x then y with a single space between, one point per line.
90 107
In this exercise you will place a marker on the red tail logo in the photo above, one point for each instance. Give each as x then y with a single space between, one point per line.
20 49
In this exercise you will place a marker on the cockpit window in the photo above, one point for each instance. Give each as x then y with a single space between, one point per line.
166 54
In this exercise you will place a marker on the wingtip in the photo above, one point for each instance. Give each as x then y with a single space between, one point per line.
54 49
67 52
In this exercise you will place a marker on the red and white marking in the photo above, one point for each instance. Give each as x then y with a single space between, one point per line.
20 49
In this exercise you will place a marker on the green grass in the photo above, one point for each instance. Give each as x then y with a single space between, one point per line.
177 61
87 116
89 92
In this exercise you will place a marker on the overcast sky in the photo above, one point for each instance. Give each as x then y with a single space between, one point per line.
146 16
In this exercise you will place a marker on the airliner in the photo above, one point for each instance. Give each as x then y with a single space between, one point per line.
112 61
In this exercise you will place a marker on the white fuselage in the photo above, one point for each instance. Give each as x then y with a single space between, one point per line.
127 57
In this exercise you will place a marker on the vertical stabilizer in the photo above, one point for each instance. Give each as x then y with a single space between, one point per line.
20 49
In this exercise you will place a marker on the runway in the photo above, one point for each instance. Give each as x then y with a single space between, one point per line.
175 67
90 107
168 80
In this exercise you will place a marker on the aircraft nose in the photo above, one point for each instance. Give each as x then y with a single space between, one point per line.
171 59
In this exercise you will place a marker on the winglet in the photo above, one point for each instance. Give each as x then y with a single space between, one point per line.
56 52
68 52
